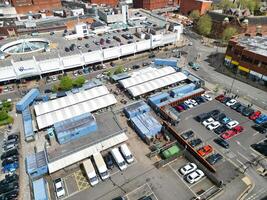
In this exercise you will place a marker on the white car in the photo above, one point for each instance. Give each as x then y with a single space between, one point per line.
232 124
207 97
231 102
188 103
54 78
193 102
213 125
188 168
60 191
208 121
75 73
195 176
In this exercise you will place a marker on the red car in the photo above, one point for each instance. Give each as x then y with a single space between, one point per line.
203 151
255 115
220 97
238 129
179 108
228 134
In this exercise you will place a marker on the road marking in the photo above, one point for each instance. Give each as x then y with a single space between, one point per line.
152 192
67 191
136 189
203 178
243 147
255 134
242 155
182 180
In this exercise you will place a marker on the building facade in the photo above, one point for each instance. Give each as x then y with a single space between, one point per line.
112 3
187 6
34 6
248 56
154 4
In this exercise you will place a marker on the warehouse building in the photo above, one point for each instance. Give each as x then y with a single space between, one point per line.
248 56
75 128
135 109
51 112
36 165
108 134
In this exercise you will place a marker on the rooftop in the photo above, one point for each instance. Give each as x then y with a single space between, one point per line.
256 44
107 127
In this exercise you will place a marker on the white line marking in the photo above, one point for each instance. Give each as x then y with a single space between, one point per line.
203 178
243 156
135 189
182 180
255 134
66 187
152 192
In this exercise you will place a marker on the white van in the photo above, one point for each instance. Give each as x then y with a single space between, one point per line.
90 172
118 158
101 166
126 153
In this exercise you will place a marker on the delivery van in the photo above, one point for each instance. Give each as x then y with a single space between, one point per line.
119 159
90 172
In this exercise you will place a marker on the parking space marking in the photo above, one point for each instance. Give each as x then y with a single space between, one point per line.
152 192
66 188
192 185
257 195
142 186
207 190
255 134
237 142
175 171
243 156
81 181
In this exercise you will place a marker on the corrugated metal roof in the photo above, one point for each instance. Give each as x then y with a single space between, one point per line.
36 161
70 100
87 152
152 74
27 122
91 105
149 86
39 189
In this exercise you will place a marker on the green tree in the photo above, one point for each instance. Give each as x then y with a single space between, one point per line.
226 4
228 33
204 25
79 81
119 70
194 15
3 115
65 83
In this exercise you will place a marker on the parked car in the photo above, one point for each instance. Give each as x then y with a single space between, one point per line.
259 128
247 112
202 117
232 124
214 158
9 153
195 142
59 188
240 108
220 117
221 129
10 160
235 106
231 102
193 102
255 115
225 100
208 121
214 112
188 104
10 195
222 142
136 66
109 161
195 176
207 97
200 100
228 134
203 151
179 108
9 187
213 125
13 136
188 168
261 119
225 120
188 134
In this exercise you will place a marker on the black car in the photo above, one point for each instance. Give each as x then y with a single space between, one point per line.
9 179
214 158
188 134
259 128
264 125
200 100
145 198
119 198
219 117
202 117
225 100
109 161
9 153
261 148
240 108
214 113
13 136
8 187
136 66
235 106
247 112
48 91
221 142
10 195
221 129
195 142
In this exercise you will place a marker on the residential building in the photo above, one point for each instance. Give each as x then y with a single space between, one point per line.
187 6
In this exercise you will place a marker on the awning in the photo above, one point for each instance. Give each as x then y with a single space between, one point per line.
256 74
243 69
234 62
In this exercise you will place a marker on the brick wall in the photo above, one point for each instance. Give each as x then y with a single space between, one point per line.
108 2
186 6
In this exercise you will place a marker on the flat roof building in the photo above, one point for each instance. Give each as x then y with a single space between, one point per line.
247 55
187 6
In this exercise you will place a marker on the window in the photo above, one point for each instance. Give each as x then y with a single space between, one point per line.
256 62
247 59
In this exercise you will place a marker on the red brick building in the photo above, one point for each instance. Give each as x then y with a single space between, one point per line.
154 4
247 55
26 6
112 3
187 6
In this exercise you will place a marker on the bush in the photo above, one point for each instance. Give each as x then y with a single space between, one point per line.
65 83
78 82
228 33
119 70
194 15
9 120
3 115
204 25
